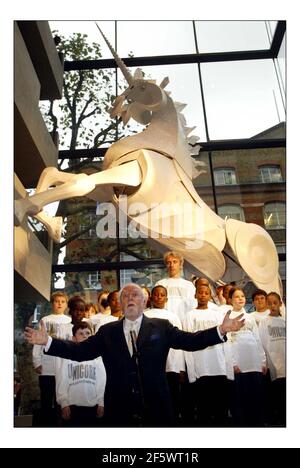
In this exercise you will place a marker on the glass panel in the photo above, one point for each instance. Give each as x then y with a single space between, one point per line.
274 215
270 174
282 63
203 182
226 36
271 26
147 38
81 242
250 193
242 99
91 92
231 211
185 88
147 276
67 28
224 176
88 284
137 248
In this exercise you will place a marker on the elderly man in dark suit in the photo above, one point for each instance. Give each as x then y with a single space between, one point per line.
134 352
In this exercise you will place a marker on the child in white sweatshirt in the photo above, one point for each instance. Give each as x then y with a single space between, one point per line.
272 332
80 385
209 367
249 365
175 361
44 364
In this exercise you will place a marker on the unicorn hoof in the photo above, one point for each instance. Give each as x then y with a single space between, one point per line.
55 229
24 207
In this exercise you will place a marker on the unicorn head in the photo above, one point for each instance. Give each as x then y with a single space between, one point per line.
141 98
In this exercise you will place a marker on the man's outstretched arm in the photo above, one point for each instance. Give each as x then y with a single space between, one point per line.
202 339
84 351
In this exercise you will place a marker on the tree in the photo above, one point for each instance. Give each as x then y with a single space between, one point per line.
87 98
81 117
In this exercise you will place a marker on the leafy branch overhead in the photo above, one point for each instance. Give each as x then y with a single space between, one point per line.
81 117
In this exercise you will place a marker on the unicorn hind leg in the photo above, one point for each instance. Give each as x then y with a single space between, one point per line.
255 251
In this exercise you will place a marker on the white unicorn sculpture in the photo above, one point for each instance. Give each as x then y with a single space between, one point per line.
154 170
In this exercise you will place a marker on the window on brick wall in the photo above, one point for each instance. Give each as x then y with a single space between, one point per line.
86 221
224 176
231 211
94 280
270 174
274 215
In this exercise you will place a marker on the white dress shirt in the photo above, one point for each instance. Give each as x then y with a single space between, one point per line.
131 326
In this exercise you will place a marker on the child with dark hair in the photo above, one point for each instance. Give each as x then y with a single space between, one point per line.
90 310
80 385
113 301
147 293
272 332
175 361
259 299
103 307
209 368
249 365
76 306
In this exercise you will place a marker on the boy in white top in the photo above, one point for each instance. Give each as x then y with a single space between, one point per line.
43 363
181 299
272 331
259 299
175 361
249 364
76 306
181 292
208 367
80 385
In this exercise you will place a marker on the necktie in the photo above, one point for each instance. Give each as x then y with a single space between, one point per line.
131 339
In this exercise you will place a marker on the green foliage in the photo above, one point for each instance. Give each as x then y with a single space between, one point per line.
81 116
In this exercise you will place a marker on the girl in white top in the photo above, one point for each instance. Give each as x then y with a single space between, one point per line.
249 364
80 385
272 331
181 293
209 361
159 297
175 364
210 367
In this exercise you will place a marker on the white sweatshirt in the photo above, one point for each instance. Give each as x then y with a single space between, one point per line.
175 360
259 316
80 383
247 350
272 332
100 319
53 323
213 360
181 296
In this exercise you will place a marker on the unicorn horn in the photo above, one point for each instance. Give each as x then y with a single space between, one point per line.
119 61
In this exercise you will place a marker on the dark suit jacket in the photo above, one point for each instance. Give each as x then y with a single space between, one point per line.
156 337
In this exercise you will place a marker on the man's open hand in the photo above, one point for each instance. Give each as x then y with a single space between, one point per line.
39 337
229 324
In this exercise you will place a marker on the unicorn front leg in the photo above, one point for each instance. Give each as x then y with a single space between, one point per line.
49 177
76 186
73 185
